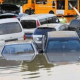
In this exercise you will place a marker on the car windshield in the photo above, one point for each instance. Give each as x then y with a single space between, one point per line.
18 48
43 31
12 27
63 51
27 24
63 46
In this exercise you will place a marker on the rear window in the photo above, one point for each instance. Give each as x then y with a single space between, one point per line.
28 24
7 28
43 31
18 48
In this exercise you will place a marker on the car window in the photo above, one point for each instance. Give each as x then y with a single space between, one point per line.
55 19
12 27
43 21
63 46
43 31
50 20
27 24
10 49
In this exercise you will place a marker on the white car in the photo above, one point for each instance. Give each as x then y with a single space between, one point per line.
11 30
19 50
43 29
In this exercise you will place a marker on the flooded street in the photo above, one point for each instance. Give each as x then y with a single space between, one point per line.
10 70
38 69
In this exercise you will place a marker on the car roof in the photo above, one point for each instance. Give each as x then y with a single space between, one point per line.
7 20
51 25
18 42
62 34
37 16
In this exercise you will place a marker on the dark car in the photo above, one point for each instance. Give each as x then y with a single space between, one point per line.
8 15
9 8
75 26
61 46
19 50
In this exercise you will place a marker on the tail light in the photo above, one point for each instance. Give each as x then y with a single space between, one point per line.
14 17
24 37
38 24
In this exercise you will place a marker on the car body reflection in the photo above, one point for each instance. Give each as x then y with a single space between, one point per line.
62 46
38 63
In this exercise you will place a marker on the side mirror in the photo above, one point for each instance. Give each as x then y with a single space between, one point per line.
40 51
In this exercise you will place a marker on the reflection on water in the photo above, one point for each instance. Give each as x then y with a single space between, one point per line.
38 69
19 57
7 63
36 64
25 70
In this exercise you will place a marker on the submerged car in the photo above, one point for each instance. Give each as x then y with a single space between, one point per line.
19 50
40 31
61 46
